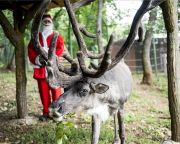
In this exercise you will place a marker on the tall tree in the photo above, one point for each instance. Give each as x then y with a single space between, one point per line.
99 25
178 8
15 33
8 50
169 8
146 62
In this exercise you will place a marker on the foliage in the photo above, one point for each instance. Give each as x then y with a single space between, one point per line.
156 27
112 23
86 16
6 52
159 27
63 128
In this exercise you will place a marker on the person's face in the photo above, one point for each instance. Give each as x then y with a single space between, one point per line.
46 22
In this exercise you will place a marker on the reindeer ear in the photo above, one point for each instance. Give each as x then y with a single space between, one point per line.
99 88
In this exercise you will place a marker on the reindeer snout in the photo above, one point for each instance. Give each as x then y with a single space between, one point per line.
56 111
54 105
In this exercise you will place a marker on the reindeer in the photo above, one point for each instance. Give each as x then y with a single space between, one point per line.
101 92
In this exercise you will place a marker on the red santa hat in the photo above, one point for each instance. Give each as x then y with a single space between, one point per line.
47 17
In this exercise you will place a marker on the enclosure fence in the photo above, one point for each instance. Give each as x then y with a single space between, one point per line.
158 64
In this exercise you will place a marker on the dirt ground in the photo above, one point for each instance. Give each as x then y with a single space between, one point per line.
146 110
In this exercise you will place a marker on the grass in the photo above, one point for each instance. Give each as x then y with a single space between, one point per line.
43 134
146 116
150 132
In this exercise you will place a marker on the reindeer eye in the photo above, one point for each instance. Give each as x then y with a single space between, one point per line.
83 92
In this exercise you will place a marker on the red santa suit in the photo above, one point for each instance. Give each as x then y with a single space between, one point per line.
40 71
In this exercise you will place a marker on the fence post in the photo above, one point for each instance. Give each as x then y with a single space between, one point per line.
155 55
164 59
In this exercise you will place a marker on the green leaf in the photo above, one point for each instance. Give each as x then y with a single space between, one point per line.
59 141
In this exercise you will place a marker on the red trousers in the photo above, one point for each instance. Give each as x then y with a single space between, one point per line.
46 93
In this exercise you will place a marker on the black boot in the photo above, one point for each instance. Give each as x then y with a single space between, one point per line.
43 118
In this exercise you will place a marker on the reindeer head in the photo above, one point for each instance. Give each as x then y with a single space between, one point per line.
83 95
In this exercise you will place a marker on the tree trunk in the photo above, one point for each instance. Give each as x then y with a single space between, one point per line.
146 62
21 79
20 62
169 8
15 33
99 26
147 69
17 39
70 49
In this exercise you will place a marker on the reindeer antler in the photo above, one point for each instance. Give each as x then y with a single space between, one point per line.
105 65
36 26
56 77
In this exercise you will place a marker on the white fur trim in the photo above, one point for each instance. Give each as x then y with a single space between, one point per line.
37 61
45 47
47 18
35 66
44 40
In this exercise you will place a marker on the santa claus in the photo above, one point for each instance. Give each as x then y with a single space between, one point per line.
46 93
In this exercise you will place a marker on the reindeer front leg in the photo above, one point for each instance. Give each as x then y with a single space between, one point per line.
116 129
96 125
121 124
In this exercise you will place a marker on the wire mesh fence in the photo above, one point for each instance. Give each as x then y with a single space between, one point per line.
158 64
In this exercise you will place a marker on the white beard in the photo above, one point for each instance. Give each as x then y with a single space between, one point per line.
47 30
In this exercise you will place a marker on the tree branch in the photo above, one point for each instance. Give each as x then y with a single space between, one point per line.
8 29
81 3
29 16
86 33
